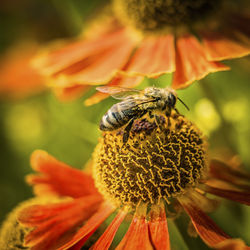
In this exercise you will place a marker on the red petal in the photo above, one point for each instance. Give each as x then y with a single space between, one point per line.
222 171
58 178
220 47
205 227
121 81
191 62
137 236
107 237
89 228
56 223
154 57
241 197
158 227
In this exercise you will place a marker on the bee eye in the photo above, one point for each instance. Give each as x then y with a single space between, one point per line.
172 99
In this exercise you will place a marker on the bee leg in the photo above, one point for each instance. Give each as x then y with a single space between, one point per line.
177 111
127 130
157 120
168 113
150 114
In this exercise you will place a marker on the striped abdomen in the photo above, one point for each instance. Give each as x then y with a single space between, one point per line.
117 116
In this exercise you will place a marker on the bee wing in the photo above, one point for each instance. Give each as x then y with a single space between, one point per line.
143 101
118 92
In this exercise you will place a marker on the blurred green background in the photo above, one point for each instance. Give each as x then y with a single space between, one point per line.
219 105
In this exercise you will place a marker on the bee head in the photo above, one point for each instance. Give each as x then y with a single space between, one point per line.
171 99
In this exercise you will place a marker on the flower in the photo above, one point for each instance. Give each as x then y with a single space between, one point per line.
162 167
18 78
149 38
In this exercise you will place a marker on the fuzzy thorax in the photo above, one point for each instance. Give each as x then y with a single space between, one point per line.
159 161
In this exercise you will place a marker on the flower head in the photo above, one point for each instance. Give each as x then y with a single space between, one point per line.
149 38
162 166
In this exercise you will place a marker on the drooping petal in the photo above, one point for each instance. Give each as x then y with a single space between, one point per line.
107 237
154 57
58 178
93 61
71 93
137 236
219 46
121 81
241 197
55 224
191 62
232 244
102 67
158 227
89 228
205 227
238 177
64 54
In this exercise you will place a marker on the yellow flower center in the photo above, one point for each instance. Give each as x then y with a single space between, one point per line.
151 15
159 161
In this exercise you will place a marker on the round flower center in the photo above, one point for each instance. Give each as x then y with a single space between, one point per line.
157 14
158 161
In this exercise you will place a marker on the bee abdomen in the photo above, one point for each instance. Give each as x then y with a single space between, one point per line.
112 120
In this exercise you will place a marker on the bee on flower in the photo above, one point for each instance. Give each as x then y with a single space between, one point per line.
136 39
163 169
136 104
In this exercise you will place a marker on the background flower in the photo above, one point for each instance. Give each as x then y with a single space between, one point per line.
17 76
135 39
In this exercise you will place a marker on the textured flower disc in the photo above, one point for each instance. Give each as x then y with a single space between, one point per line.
157 14
158 161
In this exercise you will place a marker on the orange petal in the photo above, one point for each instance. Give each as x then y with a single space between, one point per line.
205 227
71 93
91 62
55 224
154 57
220 47
222 171
232 244
137 236
158 227
241 197
58 178
107 237
105 65
55 60
18 79
191 62
89 228
121 81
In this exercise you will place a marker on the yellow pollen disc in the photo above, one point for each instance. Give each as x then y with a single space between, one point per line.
148 15
157 162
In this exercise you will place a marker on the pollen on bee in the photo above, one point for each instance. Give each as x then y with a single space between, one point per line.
160 161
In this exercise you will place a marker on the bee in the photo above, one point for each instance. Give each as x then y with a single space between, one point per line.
135 104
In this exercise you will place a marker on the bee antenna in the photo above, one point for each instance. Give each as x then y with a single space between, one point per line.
183 103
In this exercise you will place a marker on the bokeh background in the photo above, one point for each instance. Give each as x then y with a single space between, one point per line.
219 105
